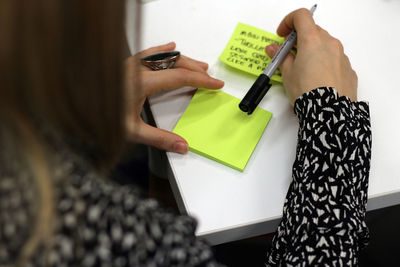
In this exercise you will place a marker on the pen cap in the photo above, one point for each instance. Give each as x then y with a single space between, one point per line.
255 94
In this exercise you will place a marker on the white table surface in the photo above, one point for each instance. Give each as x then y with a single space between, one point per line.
231 205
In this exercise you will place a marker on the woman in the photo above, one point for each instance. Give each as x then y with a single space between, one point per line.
65 111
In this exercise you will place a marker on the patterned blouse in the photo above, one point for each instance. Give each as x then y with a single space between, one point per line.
103 224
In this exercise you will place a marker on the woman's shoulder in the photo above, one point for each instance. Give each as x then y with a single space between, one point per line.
96 221
113 223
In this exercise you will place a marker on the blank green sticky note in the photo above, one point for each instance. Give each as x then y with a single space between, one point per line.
215 127
246 50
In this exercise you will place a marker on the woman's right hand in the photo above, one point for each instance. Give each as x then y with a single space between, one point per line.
320 59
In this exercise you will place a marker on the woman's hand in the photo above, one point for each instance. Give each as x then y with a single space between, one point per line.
320 59
141 82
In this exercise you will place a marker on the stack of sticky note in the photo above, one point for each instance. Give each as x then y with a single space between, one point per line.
213 125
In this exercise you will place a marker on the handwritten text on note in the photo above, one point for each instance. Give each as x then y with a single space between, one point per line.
246 50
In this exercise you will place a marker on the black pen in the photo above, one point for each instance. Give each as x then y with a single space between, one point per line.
262 84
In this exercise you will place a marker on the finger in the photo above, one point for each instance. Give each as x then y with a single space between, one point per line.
287 62
204 65
190 64
161 139
156 49
155 81
272 49
301 20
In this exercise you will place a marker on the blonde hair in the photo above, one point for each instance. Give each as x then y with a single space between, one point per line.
61 64
22 138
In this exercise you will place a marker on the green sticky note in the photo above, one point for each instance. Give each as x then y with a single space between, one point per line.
215 127
246 50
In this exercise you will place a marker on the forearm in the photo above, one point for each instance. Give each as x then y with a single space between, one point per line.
324 212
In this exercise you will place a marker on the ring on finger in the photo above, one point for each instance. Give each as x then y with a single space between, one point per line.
160 61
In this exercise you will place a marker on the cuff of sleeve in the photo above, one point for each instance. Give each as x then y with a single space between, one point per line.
323 97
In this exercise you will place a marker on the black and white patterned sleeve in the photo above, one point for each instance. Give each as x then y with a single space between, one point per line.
323 219
109 225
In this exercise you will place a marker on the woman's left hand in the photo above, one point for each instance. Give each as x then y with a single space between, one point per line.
141 82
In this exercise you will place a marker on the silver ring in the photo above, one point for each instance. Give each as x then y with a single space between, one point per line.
161 61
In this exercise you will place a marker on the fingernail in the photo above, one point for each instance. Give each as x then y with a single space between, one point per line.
221 83
180 147
205 65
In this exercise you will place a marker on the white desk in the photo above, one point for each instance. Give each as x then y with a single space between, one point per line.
231 205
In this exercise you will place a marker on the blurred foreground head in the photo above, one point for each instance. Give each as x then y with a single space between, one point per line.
61 65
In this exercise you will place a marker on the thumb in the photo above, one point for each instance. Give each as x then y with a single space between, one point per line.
160 138
287 63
